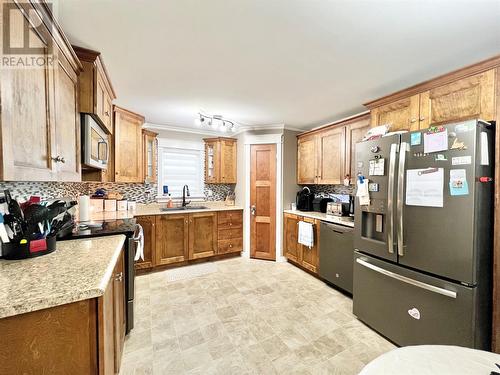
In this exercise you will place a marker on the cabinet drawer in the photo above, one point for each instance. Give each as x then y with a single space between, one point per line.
230 219
230 246
229 233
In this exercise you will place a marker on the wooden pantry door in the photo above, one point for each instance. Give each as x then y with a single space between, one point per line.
263 201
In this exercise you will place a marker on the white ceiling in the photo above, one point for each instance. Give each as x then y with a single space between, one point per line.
301 63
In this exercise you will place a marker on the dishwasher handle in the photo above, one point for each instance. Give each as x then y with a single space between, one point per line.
340 229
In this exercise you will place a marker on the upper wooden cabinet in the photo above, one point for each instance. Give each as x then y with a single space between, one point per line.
400 115
460 95
40 126
96 92
127 145
324 155
220 160
149 154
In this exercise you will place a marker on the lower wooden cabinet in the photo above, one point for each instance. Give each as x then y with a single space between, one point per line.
148 224
295 252
202 234
171 239
177 238
84 337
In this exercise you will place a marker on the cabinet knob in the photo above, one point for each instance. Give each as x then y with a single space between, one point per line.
186 221
422 118
230 224
230 245
413 120
106 113
119 277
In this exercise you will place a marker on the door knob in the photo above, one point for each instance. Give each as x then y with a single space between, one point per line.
253 210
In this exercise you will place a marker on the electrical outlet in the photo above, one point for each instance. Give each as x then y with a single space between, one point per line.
210 193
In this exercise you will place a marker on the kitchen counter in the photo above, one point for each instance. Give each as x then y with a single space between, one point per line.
77 270
155 209
341 220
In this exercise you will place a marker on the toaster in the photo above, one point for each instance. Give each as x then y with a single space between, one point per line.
319 204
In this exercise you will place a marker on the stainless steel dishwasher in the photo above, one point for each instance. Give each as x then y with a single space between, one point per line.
336 255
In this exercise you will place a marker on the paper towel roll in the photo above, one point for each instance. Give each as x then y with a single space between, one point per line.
84 208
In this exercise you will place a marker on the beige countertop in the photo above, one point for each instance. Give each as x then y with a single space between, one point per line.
155 209
341 220
77 270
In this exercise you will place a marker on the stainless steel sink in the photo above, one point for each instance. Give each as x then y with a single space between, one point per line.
183 208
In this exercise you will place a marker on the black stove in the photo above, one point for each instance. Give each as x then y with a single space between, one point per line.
134 234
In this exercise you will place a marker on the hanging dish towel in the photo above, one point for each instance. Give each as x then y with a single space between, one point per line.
306 234
363 193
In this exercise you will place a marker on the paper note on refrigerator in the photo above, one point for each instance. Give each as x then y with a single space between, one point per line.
424 187
435 142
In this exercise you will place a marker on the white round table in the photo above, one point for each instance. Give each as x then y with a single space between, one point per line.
433 360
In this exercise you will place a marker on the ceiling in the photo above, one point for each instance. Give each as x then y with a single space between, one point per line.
301 63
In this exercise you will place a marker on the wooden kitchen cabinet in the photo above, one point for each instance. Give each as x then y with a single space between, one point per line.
331 156
299 254
290 241
307 160
127 145
172 239
96 91
457 96
148 224
202 234
39 138
83 337
119 318
230 231
324 156
400 115
149 154
220 160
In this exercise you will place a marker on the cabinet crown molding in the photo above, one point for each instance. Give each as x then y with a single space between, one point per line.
342 122
441 80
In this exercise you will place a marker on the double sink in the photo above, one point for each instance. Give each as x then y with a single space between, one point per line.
183 208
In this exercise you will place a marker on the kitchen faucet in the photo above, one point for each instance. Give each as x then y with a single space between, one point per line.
185 191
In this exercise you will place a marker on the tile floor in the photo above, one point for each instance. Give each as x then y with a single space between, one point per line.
248 317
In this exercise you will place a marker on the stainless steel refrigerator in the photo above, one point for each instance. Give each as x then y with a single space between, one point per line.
423 243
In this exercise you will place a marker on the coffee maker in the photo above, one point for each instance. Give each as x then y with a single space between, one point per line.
305 199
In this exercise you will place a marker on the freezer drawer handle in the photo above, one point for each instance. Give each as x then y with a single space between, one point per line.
432 288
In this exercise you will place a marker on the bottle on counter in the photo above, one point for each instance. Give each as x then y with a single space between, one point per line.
170 202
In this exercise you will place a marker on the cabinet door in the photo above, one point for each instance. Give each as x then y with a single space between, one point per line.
331 156
309 256
354 134
227 161
202 234
171 239
212 166
149 227
103 104
306 160
400 115
27 104
119 309
291 247
106 330
128 147
471 97
67 120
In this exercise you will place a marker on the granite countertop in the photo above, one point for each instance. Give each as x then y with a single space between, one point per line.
155 209
341 220
77 270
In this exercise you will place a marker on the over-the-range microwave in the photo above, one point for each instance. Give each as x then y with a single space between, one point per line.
95 143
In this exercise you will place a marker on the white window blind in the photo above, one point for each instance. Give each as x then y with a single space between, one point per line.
179 167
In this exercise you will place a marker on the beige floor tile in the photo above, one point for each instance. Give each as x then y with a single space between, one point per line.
249 317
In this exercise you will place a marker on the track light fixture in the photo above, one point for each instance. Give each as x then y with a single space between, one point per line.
216 122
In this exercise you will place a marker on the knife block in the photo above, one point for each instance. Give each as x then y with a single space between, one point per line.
30 249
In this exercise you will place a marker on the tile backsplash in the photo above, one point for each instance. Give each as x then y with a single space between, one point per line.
331 189
141 193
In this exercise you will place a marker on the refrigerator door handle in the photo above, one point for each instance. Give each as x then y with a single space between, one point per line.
390 198
419 284
403 148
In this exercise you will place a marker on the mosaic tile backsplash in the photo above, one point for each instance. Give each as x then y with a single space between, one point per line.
141 193
331 189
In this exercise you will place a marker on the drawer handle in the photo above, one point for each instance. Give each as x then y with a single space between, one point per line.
419 284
